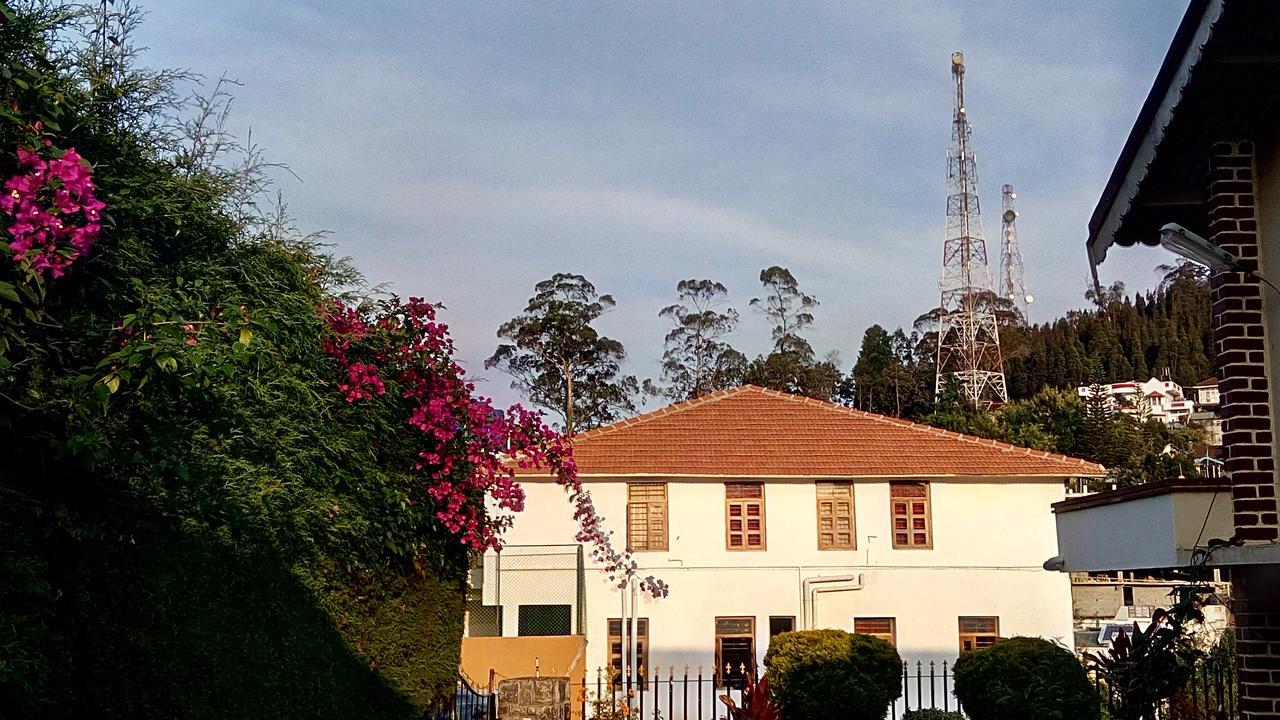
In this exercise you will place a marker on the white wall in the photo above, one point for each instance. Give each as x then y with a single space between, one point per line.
989 541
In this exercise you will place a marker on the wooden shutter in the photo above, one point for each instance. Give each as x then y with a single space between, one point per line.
909 505
835 516
885 628
647 516
978 632
616 650
744 516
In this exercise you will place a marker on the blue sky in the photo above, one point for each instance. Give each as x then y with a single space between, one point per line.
464 151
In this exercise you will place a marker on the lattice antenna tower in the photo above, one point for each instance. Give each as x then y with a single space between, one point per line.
1012 286
968 333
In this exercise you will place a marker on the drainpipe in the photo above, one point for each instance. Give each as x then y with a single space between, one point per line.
808 593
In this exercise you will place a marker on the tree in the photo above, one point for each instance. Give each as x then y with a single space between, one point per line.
787 308
1098 433
560 362
791 367
696 360
871 372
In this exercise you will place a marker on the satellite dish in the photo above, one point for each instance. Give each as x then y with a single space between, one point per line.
1010 215
1030 298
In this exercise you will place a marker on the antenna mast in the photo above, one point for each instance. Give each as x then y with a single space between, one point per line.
968 334
1012 286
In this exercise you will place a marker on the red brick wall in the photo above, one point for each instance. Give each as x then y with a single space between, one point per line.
1241 345
1239 335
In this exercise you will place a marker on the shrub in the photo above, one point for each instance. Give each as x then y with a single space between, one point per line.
1025 678
931 714
828 673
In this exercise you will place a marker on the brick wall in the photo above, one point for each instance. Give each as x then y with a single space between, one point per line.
1239 334
1241 345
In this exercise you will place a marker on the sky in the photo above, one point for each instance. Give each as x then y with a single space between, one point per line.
464 151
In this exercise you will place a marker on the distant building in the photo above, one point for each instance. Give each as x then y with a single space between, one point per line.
1154 399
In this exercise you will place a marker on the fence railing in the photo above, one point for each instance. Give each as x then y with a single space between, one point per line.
668 695
1210 694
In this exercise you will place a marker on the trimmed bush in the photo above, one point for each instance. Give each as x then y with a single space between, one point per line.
1025 678
832 673
930 714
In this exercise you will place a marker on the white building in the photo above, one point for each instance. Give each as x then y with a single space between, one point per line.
768 512
1154 399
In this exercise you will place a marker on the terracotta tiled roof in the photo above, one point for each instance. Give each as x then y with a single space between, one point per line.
753 432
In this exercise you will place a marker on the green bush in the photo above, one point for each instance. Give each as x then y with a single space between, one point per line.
829 673
1025 678
930 714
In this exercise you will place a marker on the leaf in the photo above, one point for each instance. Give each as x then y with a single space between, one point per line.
167 362
8 292
112 383
246 335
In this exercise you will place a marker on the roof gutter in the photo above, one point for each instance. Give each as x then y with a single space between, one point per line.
1149 129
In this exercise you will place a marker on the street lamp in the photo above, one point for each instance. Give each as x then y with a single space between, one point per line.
1183 242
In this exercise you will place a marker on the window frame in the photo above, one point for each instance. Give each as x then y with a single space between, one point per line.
853 515
718 676
789 618
649 505
729 502
642 647
891 636
974 636
910 516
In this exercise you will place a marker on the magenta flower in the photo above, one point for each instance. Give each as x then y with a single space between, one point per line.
56 214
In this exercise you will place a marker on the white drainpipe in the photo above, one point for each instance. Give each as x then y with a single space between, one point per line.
808 593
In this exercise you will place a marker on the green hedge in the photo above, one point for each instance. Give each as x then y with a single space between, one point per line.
175 623
1025 678
832 673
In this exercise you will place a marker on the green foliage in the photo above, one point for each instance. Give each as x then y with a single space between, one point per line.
1024 678
931 714
696 360
813 672
791 367
193 523
789 309
560 362
1143 668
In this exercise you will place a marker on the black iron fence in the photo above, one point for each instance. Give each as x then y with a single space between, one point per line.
1210 694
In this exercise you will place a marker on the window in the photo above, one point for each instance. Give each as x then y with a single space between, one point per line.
835 516
885 628
779 624
544 620
978 632
910 505
735 650
744 516
647 516
615 647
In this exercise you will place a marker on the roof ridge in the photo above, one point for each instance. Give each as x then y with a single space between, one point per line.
920 427
664 411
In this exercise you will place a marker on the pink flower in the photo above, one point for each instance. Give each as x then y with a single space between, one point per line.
48 200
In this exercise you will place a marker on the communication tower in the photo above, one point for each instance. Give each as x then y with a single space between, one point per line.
968 333
1012 286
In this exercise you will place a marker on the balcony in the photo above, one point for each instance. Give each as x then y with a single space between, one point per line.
1144 527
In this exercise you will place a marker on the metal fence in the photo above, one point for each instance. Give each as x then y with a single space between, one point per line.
1209 695
668 695
528 590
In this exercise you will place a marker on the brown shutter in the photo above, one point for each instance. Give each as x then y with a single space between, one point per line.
835 516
